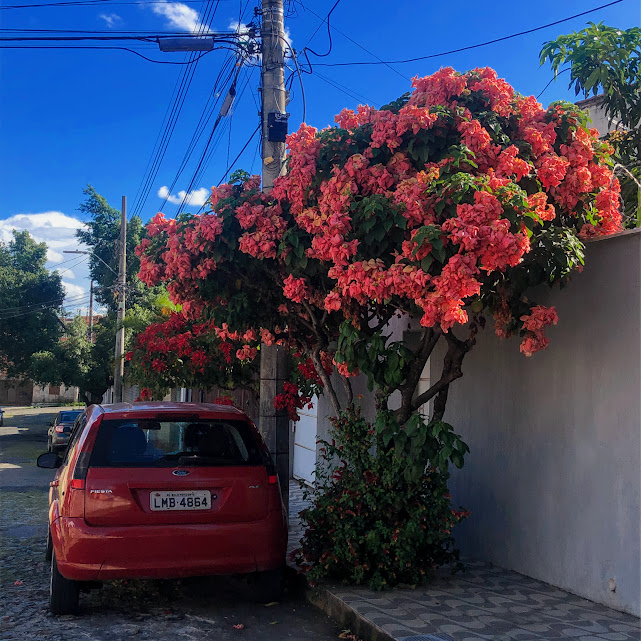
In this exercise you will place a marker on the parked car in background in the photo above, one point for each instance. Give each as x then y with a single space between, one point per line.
163 490
60 429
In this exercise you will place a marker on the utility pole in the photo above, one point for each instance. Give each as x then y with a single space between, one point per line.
90 328
122 280
273 115
274 370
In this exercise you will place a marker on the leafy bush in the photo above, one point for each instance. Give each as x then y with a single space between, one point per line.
369 521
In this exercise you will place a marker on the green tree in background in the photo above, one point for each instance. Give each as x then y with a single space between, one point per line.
606 61
101 234
30 299
76 361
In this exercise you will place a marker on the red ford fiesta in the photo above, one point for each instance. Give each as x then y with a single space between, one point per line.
162 490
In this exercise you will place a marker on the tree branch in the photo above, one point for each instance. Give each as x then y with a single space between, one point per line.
327 383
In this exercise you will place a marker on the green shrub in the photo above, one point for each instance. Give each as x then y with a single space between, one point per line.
369 521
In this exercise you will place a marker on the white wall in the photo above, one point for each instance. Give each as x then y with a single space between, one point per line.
553 477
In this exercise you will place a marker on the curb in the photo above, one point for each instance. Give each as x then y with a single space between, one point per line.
321 597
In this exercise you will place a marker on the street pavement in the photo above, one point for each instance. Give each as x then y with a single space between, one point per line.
220 609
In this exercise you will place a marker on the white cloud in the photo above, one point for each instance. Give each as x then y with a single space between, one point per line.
112 19
196 197
74 291
180 16
58 231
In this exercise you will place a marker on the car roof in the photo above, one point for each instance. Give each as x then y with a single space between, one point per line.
153 408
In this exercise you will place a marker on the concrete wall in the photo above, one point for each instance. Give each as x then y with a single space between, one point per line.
63 394
553 477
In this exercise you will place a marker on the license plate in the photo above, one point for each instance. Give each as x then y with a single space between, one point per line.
194 500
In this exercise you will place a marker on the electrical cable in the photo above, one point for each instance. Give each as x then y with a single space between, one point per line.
474 46
26 307
556 75
43 308
232 163
137 53
170 120
206 155
329 34
91 3
203 121
342 33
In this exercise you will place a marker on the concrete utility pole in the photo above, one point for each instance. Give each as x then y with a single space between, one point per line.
90 328
122 280
274 369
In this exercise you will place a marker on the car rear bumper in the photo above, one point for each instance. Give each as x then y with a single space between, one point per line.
87 553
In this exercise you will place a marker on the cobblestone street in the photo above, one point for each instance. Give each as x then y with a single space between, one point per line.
194 609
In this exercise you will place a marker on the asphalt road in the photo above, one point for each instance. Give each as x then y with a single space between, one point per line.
217 608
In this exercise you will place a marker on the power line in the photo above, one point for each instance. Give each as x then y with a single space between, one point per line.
329 34
474 46
203 121
25 307
233 162
207 153
99 48
360 46
170 120
90 3
556 75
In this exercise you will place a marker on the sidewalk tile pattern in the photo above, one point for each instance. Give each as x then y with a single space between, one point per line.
483 603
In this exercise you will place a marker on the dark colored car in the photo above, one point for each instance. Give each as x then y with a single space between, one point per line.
60 429
163 490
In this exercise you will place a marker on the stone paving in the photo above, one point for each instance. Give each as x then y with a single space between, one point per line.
482 603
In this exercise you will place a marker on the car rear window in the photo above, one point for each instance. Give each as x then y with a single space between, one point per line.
152 443
69 417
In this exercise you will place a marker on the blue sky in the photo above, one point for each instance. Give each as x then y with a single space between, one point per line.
73 117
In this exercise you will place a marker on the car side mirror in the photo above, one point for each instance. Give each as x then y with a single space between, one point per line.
49 460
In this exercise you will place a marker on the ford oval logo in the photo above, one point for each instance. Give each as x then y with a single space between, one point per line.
180 472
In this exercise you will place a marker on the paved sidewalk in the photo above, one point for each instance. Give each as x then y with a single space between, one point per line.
484 602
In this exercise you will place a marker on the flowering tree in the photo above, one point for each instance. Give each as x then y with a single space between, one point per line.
447 205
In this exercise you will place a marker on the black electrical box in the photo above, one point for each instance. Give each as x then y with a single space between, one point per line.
276 126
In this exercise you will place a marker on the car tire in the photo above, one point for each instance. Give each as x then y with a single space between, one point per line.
48 546
268 585
63 593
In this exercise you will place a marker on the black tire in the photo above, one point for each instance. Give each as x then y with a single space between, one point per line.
48 546
63 593
268 586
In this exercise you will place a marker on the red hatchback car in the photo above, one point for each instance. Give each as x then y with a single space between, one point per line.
162 490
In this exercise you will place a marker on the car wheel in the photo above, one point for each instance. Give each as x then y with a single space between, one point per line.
63 593
48 546
268 586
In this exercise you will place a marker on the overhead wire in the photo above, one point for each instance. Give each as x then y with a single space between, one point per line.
170 120
469 47
99 48
90 3
212 101
329 33
556 75
208 151
360 46
232 163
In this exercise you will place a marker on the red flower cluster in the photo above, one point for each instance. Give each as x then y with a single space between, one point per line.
291 400
483 198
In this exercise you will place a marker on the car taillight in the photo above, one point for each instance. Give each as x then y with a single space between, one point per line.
78 484
59 429
80 471
272 479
